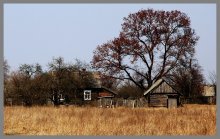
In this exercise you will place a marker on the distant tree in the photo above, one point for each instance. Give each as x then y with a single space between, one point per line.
6 68
57 67
27 70
213 80
68 78
86 79
109 82
129 89
19 88
57 64
40 88
188 79
79 64
85 76
150 45
38 69
30 70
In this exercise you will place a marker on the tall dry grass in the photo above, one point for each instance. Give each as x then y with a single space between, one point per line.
188 120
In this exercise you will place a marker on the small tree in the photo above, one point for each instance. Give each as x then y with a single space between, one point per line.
128 89
109 82
188 79
213 81
67 78
6 77
212 78
6 68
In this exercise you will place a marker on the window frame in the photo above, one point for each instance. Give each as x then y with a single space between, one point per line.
87 95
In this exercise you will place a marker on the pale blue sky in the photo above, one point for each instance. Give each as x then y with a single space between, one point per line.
38 32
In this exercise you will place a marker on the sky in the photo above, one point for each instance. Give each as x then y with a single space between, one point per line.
37 33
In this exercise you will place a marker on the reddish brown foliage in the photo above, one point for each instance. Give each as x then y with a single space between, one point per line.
150 45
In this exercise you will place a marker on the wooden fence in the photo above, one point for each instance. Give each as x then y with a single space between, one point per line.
119 102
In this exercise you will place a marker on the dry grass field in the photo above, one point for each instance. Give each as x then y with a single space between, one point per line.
187 120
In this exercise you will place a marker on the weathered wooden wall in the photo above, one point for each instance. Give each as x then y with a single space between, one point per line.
104 94
158 100
163 88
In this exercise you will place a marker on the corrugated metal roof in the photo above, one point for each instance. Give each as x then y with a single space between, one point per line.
158 82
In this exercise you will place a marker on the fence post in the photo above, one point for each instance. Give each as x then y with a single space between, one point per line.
133 103
111 103
11 102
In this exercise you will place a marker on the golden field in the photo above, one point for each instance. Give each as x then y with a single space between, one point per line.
187 120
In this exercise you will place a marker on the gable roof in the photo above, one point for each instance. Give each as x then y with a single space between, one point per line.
156 84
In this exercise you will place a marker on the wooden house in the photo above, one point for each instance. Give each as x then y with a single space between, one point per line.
100 96
162 94
208 94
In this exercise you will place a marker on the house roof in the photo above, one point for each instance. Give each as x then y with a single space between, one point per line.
109 90
156 84
102 87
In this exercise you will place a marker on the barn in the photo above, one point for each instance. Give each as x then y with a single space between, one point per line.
162 94
101 96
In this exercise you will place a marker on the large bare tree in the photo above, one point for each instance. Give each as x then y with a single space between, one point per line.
150 45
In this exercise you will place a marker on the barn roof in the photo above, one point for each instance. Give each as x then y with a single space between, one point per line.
156 84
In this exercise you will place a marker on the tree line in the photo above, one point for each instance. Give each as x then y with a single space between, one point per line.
33 86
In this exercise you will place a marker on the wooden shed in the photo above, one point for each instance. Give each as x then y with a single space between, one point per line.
162 94
101 95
